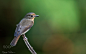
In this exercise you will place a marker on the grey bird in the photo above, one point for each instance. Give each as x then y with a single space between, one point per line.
24 26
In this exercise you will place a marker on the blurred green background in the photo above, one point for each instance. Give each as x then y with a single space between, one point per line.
60 29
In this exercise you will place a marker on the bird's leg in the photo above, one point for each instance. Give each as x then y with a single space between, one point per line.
24 37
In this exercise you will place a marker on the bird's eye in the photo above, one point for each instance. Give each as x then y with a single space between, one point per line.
31 15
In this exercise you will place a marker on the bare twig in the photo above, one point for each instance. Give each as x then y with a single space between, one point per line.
28 45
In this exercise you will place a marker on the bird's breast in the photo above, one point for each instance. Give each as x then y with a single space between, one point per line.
25 31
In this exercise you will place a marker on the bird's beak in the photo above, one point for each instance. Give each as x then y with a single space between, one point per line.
37 16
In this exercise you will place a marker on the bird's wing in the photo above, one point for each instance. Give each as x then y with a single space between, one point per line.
17 31
22 29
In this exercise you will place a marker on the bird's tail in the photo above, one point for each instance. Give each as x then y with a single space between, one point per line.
14 41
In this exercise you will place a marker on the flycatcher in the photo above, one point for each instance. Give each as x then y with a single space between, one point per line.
24 26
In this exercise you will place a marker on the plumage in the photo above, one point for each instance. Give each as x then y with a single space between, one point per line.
14 41
24 26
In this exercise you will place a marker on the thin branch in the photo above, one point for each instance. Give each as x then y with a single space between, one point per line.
28 45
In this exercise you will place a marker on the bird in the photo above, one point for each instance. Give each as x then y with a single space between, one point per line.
23 27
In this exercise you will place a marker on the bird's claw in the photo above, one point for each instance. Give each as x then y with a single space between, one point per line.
25 38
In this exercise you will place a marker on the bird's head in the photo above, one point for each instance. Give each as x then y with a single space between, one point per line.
31 15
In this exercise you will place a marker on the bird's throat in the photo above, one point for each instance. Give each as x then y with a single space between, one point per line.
32 19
